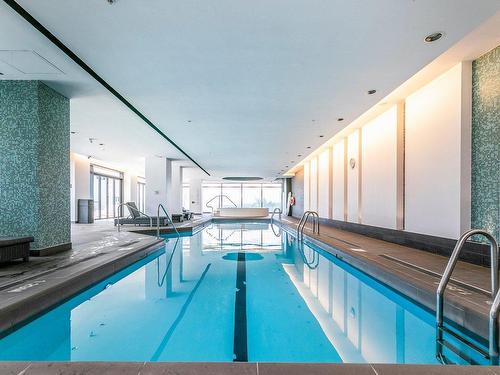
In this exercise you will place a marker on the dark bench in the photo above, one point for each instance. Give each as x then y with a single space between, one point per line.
15 247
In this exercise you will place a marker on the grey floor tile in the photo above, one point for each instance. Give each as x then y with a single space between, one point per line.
196 368
84 368
430 370
12 368
314 369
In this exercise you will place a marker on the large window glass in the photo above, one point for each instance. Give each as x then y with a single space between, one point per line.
107 186
231 195
271 196
247 195
252 195
211 196
141 194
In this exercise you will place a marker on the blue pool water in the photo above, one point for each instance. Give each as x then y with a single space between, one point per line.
238 291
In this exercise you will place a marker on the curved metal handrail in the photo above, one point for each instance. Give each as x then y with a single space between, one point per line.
130 208
303 222
274 232
158 221
219 196
276 211
495 295
312 265
160 282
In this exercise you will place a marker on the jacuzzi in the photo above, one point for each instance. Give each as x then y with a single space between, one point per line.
238 212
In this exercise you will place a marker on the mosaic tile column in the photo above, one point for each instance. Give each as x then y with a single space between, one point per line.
486 142
34 164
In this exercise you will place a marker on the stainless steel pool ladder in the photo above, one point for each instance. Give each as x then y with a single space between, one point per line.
130 208
219 196
492 354
276 211
303 221
168 219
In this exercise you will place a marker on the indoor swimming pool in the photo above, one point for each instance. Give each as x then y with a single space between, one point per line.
232 292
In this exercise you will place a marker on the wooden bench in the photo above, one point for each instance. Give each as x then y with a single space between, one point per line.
14 248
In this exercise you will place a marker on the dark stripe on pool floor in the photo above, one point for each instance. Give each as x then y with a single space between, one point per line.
240 312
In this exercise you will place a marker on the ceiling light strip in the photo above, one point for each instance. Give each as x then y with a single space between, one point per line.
37 25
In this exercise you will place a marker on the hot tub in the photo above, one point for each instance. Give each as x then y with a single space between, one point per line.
238 212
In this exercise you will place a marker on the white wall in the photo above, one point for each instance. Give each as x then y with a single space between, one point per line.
195 195
379 170
338 181
313 186
353 177
156 183
324 177
307 185
80 185
437 153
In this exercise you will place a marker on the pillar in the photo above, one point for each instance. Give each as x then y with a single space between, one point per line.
35 164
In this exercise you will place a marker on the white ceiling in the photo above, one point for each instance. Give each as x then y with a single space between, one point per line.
259 80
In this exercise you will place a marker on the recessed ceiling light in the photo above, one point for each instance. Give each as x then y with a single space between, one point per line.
371 92
308 147
299 155
189 120
340 119
101 144
433 37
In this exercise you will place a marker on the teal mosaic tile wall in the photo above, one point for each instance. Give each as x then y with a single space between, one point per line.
486 142
34 163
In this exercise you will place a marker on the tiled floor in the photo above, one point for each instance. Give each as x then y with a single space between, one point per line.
410 271
151 368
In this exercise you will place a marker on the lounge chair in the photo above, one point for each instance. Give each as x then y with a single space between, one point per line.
137 218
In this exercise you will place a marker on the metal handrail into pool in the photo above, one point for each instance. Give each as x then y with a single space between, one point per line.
168 219
219 196
303 222
493 348
276 211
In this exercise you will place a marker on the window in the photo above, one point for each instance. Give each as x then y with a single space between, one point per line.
248 195
271 196
107 188
141 194
209 192
231 195
186 201
252 196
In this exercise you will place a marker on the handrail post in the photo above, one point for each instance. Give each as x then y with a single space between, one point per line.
168 219
493 336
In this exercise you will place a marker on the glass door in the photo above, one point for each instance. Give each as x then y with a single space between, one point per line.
107 192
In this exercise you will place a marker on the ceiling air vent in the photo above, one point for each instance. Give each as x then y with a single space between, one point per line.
242 178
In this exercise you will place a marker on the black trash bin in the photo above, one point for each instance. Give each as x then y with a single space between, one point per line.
85 211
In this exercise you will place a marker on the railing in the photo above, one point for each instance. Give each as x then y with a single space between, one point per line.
311 264
219 196
168 219
276 211
303 221
492 353
130 208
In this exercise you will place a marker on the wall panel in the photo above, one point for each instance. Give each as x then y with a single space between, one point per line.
435 150
379 182
338 181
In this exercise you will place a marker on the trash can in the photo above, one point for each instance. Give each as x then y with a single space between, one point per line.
85 211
